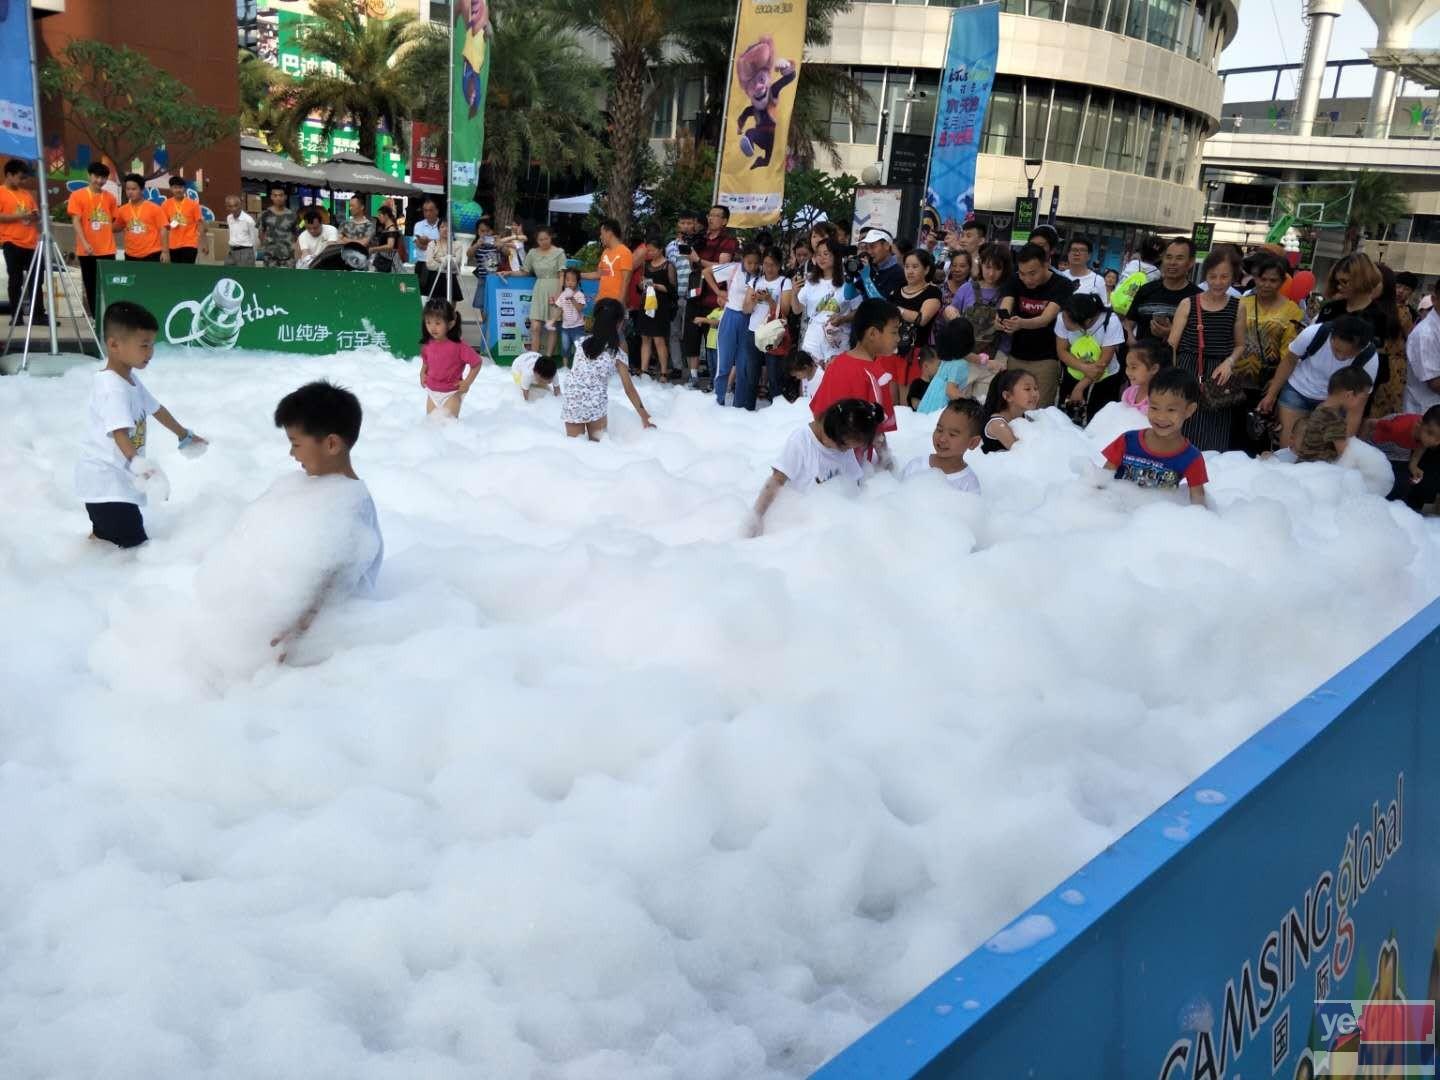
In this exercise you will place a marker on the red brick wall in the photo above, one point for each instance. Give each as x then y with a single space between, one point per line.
195 42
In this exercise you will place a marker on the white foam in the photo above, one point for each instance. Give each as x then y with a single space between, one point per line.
591 787
1024 933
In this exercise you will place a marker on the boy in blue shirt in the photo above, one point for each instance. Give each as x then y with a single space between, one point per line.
1162 457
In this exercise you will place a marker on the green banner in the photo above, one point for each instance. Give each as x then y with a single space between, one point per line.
1202 234
470 79
1026 211
216 308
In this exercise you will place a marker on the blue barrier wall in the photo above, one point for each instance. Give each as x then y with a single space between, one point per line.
1305 864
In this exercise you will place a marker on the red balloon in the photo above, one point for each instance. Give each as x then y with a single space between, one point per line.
1300 286
1293 258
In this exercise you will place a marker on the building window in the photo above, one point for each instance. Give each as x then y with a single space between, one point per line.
1120 144
1097 127
1002 119
922 110
873 82
1085 12
1037 116
440 11
1065 110
1152 138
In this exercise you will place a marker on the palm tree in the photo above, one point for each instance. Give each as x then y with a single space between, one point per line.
1379 201
542 102
367 86
636 32
264 92
1376 201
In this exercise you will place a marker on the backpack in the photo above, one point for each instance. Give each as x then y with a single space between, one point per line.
1363 357
1124 294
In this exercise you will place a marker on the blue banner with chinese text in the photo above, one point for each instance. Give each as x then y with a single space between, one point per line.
960 115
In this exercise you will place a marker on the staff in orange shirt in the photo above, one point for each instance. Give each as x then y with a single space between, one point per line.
147 233
19 235
92 215
186 219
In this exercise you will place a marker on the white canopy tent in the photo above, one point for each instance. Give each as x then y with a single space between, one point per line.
572 204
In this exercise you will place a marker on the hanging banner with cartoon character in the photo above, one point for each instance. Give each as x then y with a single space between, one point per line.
470 42
769 39
213 309
960 115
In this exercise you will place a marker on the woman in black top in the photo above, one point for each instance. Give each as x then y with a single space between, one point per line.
1355 287
654 326
385 247
919 301
1208 338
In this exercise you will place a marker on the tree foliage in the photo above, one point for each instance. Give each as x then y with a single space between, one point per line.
125 107
265 91
368 84
811 196
541 104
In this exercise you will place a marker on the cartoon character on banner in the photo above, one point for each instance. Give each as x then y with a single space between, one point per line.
755 68
474 17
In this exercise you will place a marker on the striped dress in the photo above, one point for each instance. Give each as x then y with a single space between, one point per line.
1208 429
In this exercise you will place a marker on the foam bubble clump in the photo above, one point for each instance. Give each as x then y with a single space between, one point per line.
591 787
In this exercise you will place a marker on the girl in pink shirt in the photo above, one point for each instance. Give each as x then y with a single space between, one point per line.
1141 364
445 359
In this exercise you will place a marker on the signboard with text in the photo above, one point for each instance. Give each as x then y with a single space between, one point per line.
1025 220
216 309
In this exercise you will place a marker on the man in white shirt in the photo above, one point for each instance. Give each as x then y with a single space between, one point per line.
1077 269
426 230
243 234
313 239
1422 351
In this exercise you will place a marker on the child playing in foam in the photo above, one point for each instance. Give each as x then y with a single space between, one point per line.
1012 394
322 422
1142 361
587 392
448 366
1162 457
824 449
112 476
955 346
533 372
1324 434
957 430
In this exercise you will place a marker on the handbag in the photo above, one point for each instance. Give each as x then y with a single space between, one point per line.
1213 395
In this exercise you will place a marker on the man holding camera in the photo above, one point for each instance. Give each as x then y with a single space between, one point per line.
715 246
688 233
886 274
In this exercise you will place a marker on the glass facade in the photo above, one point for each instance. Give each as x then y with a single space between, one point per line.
1041 118
1193 28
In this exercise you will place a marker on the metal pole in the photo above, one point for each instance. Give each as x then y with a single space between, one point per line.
725 108
450 123
44 259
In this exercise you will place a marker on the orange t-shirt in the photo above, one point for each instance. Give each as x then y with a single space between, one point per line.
95 212
20 233
615 266
144 222
183 217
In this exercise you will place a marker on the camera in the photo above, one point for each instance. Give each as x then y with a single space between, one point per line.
853 265
683 249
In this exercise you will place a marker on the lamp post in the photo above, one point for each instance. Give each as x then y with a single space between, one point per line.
1210 189
1032 173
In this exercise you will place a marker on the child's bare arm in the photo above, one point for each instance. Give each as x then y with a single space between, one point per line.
762 504
122 441
1416 473
632 393
1197 494
294 633
178 429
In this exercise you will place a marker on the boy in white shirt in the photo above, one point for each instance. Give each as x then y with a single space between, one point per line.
112 476
322 421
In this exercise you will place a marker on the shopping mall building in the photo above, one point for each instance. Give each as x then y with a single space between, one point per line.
1112 99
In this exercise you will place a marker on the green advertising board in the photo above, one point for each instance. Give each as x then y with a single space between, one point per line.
1202 233
1307 250
318 312
1026 209
470 59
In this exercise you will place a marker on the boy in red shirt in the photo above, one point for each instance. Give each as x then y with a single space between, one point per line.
861 372
1412 442
1162 457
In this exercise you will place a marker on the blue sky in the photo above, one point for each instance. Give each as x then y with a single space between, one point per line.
1255 43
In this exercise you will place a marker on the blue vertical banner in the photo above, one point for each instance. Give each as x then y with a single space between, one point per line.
964 96
19 134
